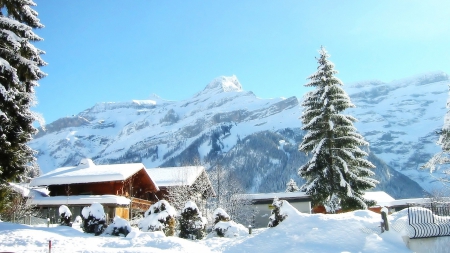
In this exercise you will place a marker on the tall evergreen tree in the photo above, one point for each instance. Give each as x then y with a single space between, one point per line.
337 173
20 64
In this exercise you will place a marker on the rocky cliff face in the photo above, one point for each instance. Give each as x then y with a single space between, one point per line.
255 138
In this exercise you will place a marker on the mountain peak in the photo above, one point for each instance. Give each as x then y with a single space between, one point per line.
224 84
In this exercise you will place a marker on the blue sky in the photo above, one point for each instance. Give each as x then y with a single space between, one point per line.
114 51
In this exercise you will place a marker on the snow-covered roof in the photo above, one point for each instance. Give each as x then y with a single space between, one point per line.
280 195
173 176
87 172
26 191
80 200
406 202
380 197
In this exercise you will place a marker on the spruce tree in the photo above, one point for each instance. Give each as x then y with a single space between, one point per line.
20 64
291 186
337 173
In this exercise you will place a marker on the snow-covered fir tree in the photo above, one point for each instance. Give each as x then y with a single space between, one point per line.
277 215
291 186
192 224
20 64
337 173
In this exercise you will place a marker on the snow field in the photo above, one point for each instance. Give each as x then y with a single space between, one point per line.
297 233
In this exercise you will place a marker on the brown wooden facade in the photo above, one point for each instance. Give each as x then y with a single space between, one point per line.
139 188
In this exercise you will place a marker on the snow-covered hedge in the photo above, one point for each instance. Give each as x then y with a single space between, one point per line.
118 227
93 219
192 224
65 215
278 213
159 217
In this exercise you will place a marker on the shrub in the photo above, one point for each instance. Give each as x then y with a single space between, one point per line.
192 224
220 215
93 219
224 227
159 217
229 229
65 215
277 213
118 227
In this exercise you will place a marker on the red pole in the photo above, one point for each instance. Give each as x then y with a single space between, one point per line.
49 246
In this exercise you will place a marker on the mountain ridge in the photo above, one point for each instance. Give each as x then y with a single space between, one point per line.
215 121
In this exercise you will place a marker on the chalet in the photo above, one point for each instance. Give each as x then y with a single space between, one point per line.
262 204
118 187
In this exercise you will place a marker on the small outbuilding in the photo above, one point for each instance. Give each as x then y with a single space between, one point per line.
262 204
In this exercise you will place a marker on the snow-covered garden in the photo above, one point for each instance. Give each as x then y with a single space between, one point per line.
356 231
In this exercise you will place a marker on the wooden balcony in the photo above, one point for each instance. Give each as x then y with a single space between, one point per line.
140 204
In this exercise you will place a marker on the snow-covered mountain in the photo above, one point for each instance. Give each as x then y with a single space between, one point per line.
401 120
255 138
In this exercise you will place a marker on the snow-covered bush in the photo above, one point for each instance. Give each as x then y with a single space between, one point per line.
65 215
118 227
220 215
224 227
78 220
229 229
192 224
159 217
278 215
93 219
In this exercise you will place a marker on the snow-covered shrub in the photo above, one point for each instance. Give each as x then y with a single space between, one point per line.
277 213
220 215
78 220
159 217
192 224
65 215
224 227
229 229
118 227
93 219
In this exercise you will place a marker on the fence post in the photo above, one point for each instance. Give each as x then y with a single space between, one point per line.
385 223
49 246
249 229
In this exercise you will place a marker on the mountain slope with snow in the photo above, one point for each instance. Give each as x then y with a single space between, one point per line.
255 137
401 120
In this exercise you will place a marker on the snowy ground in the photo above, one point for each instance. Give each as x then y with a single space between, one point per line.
349 232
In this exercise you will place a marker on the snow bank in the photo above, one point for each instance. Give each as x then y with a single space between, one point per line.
356 231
